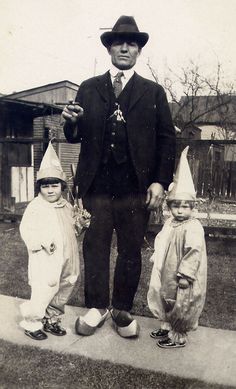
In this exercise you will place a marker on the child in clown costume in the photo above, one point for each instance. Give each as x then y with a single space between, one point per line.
177 287
48 230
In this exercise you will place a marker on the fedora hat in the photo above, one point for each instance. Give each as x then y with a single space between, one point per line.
126 28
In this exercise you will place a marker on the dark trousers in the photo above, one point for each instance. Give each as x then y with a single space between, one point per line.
115 203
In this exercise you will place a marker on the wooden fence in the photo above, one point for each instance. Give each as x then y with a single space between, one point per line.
212 162
213 166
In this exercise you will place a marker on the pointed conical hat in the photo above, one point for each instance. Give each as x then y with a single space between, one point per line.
182 188
50 165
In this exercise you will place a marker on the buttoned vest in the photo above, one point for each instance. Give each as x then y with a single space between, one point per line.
115 138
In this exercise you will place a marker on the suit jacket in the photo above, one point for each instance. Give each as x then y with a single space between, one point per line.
150 131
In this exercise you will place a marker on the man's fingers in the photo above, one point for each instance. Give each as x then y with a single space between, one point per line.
75 108
155 195
71 112
66 114
155 202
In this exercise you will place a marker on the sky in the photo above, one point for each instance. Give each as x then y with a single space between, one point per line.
46 41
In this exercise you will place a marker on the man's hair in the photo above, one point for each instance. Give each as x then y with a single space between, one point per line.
50 181
177 203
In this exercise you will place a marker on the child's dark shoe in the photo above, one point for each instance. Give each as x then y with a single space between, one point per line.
168 343
36 335
54 328
159 334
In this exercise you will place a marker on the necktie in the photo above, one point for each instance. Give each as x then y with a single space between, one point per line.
117 84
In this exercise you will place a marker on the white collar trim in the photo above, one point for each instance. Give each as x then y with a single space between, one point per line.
127 73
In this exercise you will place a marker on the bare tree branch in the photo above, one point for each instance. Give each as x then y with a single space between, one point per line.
205 99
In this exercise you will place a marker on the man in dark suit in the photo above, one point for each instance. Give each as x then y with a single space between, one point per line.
126 162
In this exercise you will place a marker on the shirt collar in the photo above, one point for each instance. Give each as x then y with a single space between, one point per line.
127 73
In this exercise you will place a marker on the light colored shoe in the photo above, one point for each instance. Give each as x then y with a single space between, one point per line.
125 325
87 325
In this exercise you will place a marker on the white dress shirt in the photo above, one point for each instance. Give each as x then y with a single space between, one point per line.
125 78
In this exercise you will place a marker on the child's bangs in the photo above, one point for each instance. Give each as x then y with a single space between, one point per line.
177 203
49 181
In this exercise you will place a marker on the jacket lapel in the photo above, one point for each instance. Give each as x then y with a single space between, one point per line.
139 88
103 86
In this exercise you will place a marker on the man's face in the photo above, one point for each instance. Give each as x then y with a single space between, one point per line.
124 53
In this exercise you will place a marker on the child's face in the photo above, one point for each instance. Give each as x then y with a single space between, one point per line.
181 210
51 192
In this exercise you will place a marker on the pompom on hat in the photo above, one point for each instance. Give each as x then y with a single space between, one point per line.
50 165
182 188
125 28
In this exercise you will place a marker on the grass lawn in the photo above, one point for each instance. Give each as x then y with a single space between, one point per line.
29 367
220 307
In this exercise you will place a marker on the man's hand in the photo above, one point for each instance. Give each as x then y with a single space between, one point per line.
155 195
72 112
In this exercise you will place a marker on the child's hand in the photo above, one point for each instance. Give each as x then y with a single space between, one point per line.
183 283
50 249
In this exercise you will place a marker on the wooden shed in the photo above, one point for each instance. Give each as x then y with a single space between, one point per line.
28 119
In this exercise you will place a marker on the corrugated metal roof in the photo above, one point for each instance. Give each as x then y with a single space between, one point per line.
35 108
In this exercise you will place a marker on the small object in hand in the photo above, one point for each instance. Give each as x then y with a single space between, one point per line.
82 219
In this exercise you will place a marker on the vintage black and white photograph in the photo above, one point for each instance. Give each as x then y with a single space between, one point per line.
117 194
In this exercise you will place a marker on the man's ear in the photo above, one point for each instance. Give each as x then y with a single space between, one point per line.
140 50
109 49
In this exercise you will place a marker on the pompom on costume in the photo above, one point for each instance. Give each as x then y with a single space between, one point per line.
52 276
180 252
